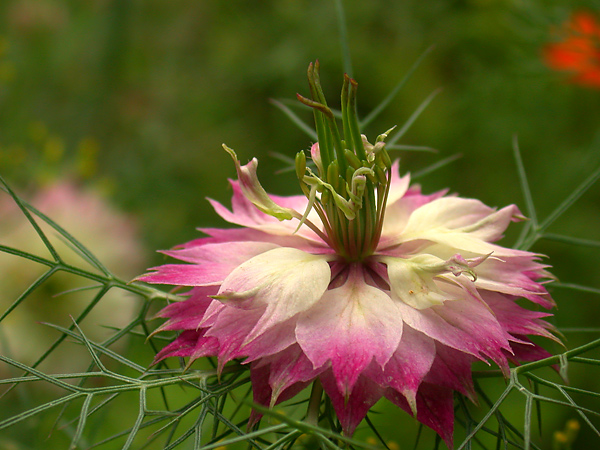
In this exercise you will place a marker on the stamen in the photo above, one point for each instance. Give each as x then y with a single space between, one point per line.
351 186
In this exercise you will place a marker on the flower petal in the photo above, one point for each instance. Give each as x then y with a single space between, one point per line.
232 327
351 408
189 343
452 369
435 409
261 391
411 362
231 235
398 185
465 325
213 263
515 319
230 254
515 276
397 214
187 314
186 275
448 212
286 280
463 224
287 368
527 351
350 326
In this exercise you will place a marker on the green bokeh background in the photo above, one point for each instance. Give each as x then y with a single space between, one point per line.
136 97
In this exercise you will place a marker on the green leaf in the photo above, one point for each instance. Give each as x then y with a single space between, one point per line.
30 219
527 422
415 148
524 184
341 16
388 99
138 420
438 165
578 192
414 116
37 283
83 415
577 287
570 240
295 119
487 416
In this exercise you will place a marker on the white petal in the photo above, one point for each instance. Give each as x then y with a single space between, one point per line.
463 224
286 280
448 212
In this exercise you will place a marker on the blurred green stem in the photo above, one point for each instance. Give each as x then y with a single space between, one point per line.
314 404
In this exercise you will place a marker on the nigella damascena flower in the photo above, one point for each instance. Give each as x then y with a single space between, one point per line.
363 284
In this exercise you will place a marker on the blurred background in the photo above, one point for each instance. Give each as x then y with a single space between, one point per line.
130 101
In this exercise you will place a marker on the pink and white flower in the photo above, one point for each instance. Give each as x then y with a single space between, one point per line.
364 283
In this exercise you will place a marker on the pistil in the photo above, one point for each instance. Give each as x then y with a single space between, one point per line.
350 188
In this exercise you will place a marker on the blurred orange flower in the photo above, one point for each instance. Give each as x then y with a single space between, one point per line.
577 49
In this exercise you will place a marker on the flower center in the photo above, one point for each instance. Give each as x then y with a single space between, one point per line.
349 180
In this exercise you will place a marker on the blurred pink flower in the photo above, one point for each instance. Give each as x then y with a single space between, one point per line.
383 291
110 235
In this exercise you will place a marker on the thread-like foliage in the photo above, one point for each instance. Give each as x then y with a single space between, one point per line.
121 402
213 411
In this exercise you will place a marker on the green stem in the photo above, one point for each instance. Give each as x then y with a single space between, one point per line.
314 404
556 359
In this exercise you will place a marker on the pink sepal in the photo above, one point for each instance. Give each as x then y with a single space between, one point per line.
187 274
289 367
226 253
189 343
452 369
350 326
517 320
527 351
262 394
435 409
187 314
408 366
351 408
221 235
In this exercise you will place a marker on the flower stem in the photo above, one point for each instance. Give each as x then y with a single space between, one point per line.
314 404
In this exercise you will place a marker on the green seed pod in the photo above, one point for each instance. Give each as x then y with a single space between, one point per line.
352 159
333 173
349 175
382 159
325 197
386 158
380 174
300 165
